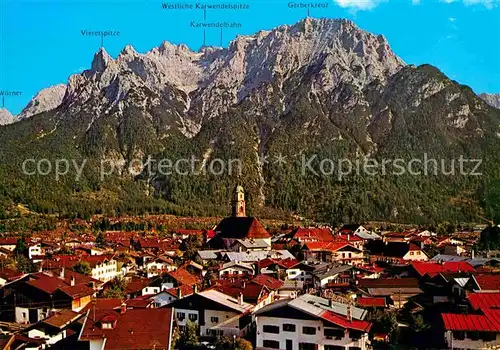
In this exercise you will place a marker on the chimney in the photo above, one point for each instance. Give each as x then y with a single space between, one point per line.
62 273
72 282
349 313
179 293
195 289
472 254
240 299
243 284
123 309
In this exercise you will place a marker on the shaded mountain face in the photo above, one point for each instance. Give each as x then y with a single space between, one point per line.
320 88
491 99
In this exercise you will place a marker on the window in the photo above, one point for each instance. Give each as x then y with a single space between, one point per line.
307 346
355 335
334 347
354 348
308 330
459 335
288 327
271 329
214 319
181 316
411 253
272 344
193 317
334 333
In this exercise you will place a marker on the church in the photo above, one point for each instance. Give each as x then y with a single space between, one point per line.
240 233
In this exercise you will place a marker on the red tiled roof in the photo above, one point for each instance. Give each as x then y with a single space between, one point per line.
414 247
488 282
138 303
371 302
456 322
344 322
268 281
77 291
331 246
251 291
434 268
103 304
46 283
8 241
484 300
137 284
135 329
9 274
323 234
182 276
286 263
185 291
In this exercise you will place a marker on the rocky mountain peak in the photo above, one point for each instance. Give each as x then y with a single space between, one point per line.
330 51
6 117
101 60
491 99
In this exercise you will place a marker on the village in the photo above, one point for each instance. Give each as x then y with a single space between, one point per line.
237 285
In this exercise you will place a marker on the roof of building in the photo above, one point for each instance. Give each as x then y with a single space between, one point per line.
250 243
62 318
251 256
329 246
10 274
433 268
333 270
182 276
346 323
334 306
209 254
372 302
320 308
184 289
268 281
135 329
226 300
484 300
470 322
445 257
241 227
321 234
488 282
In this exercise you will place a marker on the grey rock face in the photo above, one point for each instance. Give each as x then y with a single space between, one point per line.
45 100
491 99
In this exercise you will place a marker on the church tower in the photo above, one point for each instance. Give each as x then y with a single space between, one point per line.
238 202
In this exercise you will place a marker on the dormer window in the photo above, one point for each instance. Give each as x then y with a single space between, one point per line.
107 325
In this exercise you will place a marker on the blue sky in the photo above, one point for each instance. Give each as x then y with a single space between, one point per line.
41 44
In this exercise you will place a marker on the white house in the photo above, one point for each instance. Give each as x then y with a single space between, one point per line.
215 313
311 323
104 268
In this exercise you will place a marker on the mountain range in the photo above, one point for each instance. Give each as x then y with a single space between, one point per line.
320 88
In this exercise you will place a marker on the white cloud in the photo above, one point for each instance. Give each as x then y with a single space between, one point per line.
358 4
487 3
415 2
452 19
